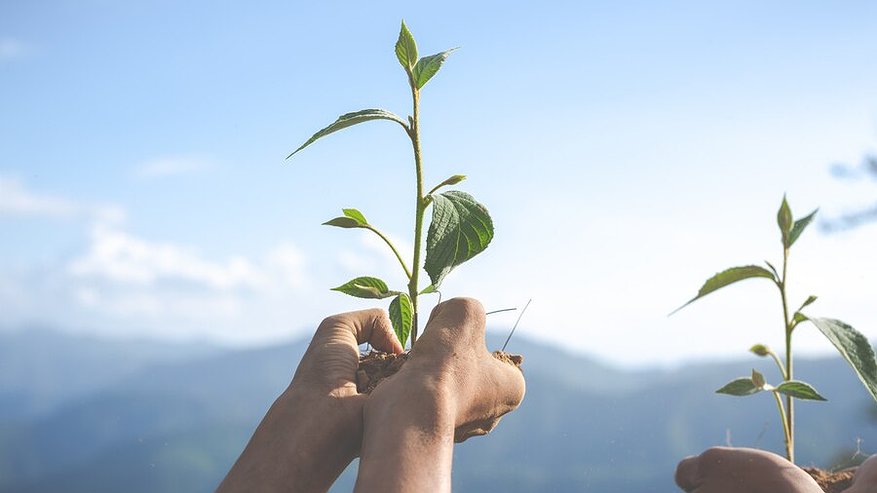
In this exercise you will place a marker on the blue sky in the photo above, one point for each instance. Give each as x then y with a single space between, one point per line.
626 152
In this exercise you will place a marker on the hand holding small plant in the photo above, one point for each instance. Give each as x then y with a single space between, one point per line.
851 344
460 228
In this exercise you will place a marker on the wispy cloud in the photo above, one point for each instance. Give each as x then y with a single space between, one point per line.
122 282
126 277
18 200
172 166
119 257
12 49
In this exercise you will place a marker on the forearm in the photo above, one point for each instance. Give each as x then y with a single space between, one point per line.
299 446
408 441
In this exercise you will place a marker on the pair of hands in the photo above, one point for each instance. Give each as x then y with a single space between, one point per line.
733 470
452 348
450 388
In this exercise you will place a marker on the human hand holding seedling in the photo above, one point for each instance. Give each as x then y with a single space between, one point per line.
850 343
460 227
314 428
450 389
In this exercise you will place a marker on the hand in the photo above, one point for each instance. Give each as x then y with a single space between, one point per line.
453 350
327 371
314 429
865 480
734 470
451 388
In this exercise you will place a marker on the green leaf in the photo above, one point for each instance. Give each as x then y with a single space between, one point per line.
784 221
799 390
460 229
757 379
352 219
350 119
799 317
854 347
760 350
810 299
355 215
429 290
402 316
776 275
406 49
727 277
740 387
342 222
799 227
366 287
428 66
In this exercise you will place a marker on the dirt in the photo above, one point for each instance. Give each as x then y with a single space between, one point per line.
375 366
832 482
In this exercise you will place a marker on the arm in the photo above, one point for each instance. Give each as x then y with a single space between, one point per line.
313 430
450 389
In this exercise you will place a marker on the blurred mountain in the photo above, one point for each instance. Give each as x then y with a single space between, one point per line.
40 368
87 415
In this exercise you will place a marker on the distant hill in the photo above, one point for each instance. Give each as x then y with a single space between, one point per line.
85 415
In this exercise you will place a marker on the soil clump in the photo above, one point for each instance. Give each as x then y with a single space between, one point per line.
831 482
375 366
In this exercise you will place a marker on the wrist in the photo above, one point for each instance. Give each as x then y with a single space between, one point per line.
317 419
301 441
409 430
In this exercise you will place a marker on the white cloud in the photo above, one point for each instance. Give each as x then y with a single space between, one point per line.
17 200
119 257
286 262
121 283
172 166
12 49
125 281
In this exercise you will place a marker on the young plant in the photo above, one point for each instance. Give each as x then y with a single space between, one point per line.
460 227
851 344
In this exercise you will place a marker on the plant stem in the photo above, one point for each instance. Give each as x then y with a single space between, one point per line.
790 452
780 365
393 248
420 208
789 424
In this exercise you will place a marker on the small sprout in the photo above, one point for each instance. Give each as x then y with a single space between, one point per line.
757 379
760 350
460 227
810 299
850 343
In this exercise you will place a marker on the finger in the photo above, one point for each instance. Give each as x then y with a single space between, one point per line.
866 477
687 473
373 326
459 314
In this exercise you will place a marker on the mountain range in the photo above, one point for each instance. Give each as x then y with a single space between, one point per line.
82 414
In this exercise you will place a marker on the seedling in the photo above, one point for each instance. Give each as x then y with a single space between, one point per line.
460 228
851 344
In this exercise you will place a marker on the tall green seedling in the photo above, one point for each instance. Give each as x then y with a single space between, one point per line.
851 344
460 227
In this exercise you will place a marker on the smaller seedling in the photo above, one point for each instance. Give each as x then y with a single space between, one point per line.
460 229
851 344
